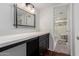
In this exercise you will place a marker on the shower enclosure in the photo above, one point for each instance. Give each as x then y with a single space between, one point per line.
61 28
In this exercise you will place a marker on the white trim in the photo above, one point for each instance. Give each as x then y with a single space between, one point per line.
72 33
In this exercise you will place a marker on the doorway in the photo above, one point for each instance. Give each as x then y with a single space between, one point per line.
62 37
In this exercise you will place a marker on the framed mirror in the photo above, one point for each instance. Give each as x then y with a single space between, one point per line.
23 16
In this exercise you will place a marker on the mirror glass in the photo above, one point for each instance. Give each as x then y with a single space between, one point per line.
23 17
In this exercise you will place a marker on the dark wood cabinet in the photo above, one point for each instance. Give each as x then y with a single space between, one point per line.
36 46
43 43
32 47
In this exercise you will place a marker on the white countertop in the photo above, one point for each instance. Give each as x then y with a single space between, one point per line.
14 38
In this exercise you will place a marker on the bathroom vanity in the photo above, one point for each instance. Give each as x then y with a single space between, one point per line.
26 44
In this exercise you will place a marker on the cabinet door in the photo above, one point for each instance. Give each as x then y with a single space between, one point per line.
33 47
43 43
19 50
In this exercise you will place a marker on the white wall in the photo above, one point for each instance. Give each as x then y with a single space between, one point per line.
44 19
46 23
76 26
7 21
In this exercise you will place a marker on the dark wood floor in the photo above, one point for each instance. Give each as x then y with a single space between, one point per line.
53 53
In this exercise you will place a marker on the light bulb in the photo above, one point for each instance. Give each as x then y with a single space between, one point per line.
33 10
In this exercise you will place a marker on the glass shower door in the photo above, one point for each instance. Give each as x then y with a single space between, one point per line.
61 29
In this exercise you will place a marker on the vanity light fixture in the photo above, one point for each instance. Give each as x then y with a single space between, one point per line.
30 7
27 7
